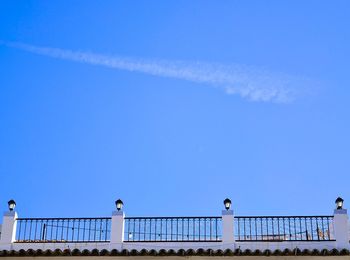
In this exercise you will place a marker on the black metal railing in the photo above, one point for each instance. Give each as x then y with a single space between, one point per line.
175 229
280 228
172 229
58 230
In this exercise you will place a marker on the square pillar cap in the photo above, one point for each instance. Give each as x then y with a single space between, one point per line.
227 212
118 213
10 214
340 211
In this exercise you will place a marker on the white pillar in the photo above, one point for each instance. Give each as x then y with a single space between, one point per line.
117 227
341 228
8 229
228 237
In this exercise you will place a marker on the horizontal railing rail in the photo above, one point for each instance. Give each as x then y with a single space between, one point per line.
173 229
284 228
63 230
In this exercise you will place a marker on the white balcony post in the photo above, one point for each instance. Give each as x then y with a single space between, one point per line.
341 228
8 229
117 227
228 237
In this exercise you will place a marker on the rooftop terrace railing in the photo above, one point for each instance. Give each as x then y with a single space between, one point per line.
223 232
63 230
284 228
173 229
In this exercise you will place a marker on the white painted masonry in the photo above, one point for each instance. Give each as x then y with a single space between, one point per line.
228 237
8 229
341 228
117 228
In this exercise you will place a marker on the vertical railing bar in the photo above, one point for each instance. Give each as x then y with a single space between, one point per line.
25 230
322 228
100 236
318 228
89 233
289 231
301 229
278 228
306 232
194 228
139 236
78 219
128 230
267 229
182 229
27 237
95 228
273 228
250 229
199 229
188 229
51 225
171 229
312 229
177 228
307 227
161 230
42 229
205 229
24 227
256 228
73 226
216 228
261 229
19 230
210 222
155 229
134 230
151 229
284 229
56 229
106 230
36 225
144 229
128 234
329 232
67 237
62 230
244 233
84 230
295 229
135 236
166 229
30 230
47 229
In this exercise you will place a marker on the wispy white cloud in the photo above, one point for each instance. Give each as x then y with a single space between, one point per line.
248 82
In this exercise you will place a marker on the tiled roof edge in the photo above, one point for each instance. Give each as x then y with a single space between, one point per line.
171 252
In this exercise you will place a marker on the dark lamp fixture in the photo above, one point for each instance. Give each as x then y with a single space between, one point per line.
227 203
339 203
12 205
119 204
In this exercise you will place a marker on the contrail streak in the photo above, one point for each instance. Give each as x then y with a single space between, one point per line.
250 83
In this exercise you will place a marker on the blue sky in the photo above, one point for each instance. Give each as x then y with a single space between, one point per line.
185 109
